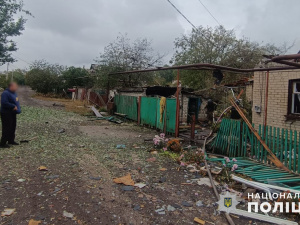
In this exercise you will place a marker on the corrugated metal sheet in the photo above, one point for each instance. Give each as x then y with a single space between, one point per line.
127 105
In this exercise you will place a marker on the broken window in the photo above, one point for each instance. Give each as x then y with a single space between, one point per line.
294 97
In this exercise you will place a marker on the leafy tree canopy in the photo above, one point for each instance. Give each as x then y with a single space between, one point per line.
76 77
44 77
10 26
124 55
217 46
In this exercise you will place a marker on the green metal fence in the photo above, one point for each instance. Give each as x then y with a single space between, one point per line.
150 111
127 105
150 114
235 139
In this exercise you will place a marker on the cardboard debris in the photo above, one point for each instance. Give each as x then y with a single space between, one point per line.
8 212
43 168
199 221
34 222
127 180
163 169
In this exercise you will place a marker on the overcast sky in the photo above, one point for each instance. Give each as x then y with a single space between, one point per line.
73 32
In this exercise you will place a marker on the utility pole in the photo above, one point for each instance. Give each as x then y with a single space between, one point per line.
7 71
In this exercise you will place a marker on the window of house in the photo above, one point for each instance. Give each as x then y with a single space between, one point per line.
294 97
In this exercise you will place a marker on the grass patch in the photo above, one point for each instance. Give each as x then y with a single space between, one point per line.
80 107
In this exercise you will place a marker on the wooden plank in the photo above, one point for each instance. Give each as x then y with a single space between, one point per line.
272 157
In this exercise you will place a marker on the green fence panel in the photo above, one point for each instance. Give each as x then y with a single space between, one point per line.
232 140
127 105
149 111
171 115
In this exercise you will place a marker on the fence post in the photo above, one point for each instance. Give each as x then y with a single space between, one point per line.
193 127
139 110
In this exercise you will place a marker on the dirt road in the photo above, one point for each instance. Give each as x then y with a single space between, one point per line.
82 159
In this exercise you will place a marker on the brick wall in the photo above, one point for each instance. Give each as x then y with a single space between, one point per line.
277 99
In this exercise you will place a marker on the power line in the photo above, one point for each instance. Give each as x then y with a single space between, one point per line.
22 59
210 13
182 14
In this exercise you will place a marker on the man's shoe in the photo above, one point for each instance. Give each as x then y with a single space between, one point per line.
13 143
4 146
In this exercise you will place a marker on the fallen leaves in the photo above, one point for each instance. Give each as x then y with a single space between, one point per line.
34 222
151 159
8 212
127 180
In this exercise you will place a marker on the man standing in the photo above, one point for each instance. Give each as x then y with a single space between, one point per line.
10 107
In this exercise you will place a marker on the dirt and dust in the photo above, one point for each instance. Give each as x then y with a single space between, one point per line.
81 164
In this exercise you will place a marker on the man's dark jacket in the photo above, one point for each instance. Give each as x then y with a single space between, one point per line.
9 100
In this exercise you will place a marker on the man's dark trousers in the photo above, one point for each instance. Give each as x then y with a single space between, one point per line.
9 122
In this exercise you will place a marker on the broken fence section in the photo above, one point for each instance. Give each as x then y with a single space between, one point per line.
234 139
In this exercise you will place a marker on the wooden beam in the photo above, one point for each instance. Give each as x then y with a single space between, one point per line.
272 156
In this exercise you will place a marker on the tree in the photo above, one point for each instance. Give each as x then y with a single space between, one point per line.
76 77
10 26
217 46
44 77
17 76
124 55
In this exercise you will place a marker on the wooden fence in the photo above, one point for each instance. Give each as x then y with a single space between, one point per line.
234 139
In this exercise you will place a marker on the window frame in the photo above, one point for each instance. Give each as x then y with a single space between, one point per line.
291 96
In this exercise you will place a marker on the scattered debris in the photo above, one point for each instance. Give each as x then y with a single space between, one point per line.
205 181
68 215
199 203
153 159
97 113
34 222
161 211
199 221
140 185
127 188
186 204
58 105
51 177
95 178
21 180
127 180
43 168
162 180
137 208
61 131
121 146
163 169
8 212
171 208
28 140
